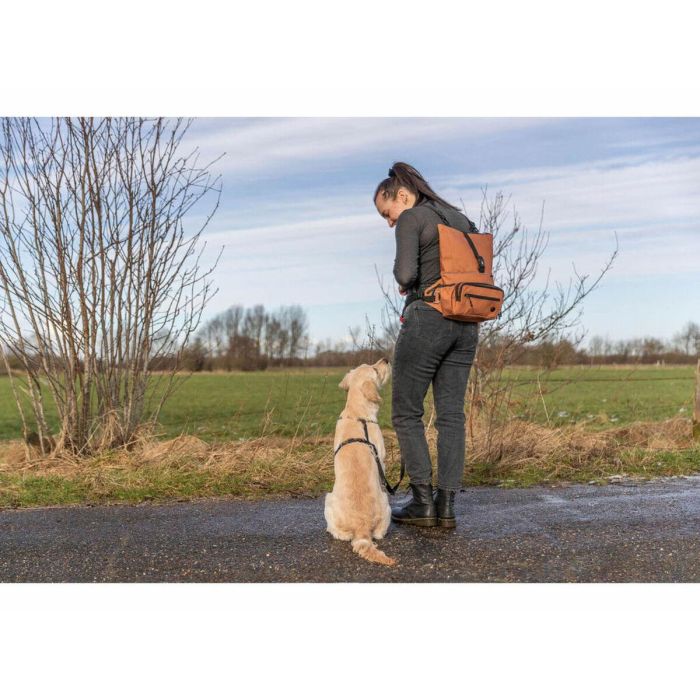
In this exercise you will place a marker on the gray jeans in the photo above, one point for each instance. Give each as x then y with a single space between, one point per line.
432 348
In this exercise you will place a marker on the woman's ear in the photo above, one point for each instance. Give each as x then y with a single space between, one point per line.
369 391
345 383
403 194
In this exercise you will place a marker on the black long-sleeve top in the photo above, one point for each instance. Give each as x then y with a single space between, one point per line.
417 263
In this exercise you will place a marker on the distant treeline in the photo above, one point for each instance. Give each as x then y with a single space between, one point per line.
646 351
683 348
255 339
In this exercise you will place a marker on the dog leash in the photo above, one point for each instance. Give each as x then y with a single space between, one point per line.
366 441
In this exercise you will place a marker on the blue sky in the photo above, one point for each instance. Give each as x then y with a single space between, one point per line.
299 227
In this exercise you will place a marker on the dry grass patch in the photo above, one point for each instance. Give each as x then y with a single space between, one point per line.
184 468
520 442
526 453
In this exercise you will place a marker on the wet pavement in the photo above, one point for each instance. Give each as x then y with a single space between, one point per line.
627 532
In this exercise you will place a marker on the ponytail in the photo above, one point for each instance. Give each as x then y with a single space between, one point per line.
405 175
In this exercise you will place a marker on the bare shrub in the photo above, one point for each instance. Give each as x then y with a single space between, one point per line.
100 270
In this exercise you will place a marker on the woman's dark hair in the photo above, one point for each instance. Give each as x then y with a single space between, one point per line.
405 175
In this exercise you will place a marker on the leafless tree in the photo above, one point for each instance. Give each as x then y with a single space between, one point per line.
366 346
232 320
688 338
214 333
101 270
298 326
254 338
595 347
273 330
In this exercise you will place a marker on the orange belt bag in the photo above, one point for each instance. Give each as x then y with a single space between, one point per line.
465 290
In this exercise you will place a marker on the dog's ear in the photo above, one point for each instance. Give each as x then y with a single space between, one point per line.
345 383
369 391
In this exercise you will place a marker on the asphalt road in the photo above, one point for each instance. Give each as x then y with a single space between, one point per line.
626 532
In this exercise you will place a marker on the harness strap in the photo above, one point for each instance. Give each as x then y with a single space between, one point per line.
366 441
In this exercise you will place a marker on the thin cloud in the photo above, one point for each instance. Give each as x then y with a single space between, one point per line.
595 195
261 146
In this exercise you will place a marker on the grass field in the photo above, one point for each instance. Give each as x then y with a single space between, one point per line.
288 402
266 433
604 397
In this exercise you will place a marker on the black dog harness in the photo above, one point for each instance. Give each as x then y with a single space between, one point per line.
366 441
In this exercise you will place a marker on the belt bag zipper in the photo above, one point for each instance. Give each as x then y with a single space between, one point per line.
458 291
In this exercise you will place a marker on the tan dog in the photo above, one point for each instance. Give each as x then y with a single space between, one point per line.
358 507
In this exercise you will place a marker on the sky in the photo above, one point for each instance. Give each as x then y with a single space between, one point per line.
298 225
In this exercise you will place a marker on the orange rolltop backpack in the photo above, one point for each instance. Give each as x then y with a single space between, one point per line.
465 290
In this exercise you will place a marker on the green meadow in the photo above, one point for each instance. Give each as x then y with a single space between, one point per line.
240 405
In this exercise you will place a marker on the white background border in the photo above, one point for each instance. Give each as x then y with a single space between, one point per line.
338 59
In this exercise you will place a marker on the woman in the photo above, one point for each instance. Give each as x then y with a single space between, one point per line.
430 348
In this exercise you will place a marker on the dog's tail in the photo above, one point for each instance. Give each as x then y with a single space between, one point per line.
368 550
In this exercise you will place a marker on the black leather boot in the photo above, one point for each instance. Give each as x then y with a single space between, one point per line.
420 510
445 507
